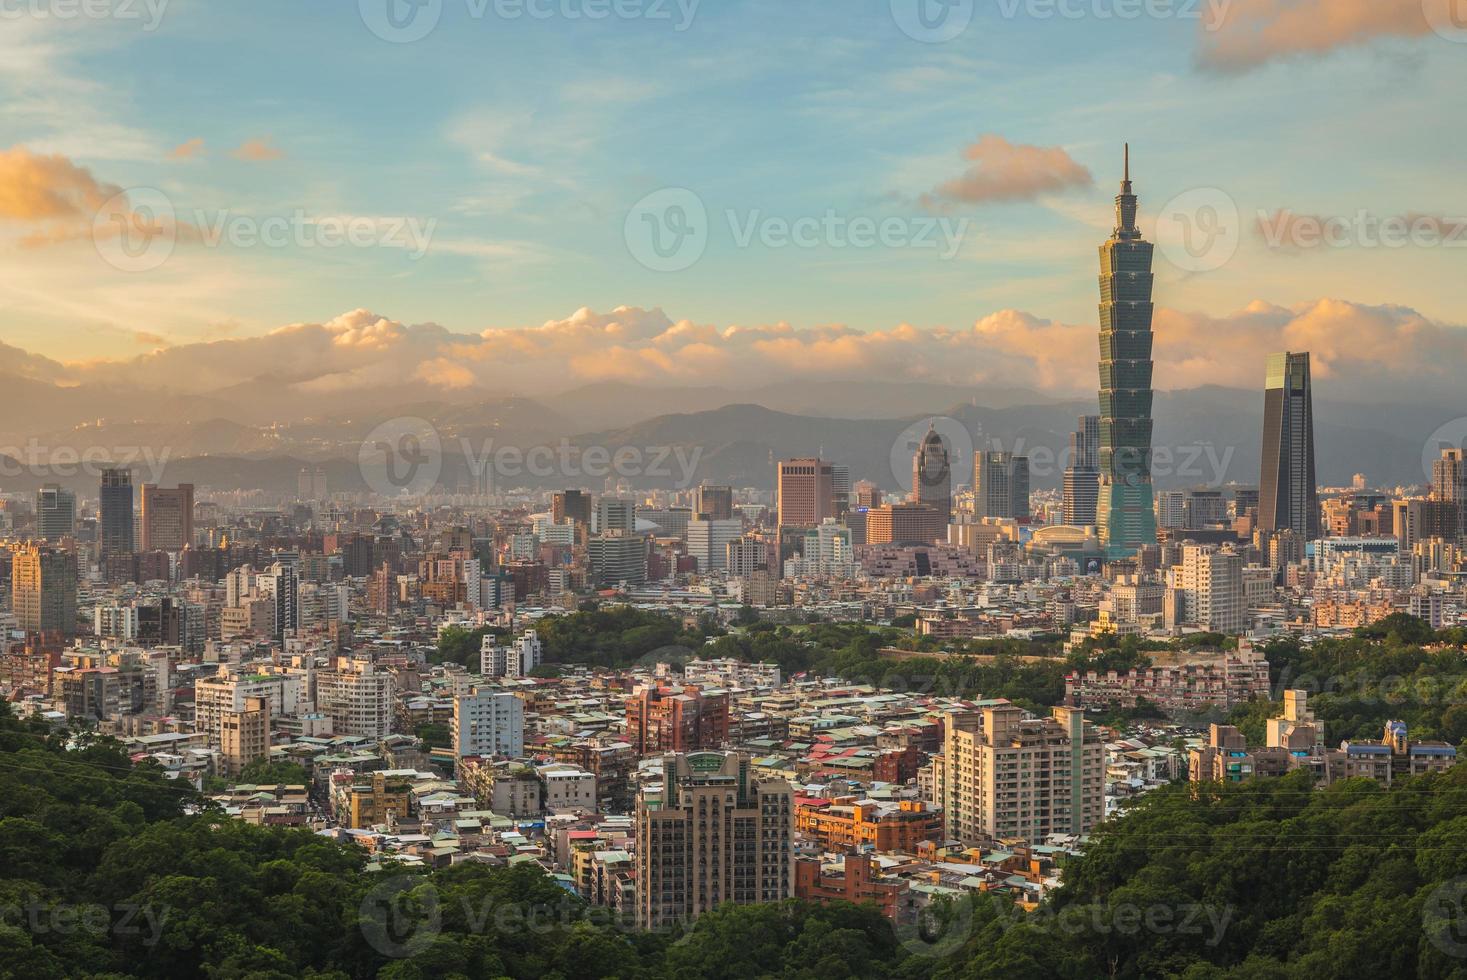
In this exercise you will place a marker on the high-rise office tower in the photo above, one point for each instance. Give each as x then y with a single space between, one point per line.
932 476
708 542
116 507
868 495
618 557
711 833
615 514
1171 509
1082 475
1449 484
55 512
1000 485
43 589
1288 494
806 492
1124 512
571 505
715 503
840 488
167 517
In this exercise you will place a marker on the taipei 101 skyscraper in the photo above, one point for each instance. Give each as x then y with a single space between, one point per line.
1124 512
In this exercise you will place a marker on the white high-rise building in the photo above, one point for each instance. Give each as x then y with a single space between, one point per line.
488 723
1209 586
357 696
708 542
518 658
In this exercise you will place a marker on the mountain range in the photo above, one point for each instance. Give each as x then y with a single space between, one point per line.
259 436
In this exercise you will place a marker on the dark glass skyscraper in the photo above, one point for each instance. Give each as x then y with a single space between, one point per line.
116 513
1124 512
932 475
1288 497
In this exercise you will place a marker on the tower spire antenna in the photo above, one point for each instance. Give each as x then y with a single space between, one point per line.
1128 163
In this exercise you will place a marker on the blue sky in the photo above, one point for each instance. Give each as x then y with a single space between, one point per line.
525 142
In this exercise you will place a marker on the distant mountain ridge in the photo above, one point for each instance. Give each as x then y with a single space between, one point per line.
1214 431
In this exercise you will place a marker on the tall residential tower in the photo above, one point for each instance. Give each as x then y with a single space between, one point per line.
1124 512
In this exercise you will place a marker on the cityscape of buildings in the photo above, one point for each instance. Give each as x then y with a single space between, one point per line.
217 636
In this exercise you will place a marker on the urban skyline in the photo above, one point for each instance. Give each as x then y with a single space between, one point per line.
644 489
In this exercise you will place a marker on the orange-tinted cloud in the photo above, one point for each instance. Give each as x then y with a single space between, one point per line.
260 150
48 190
188 149
1001 171
1369 350
1245 34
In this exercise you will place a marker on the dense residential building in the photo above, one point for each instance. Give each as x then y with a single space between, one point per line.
1125 516
357 696
848 823
661 718
1003 775
1206 590
855 879
244 734
43 589
1295 740
1220 681
487 723
708 834
518 658
1288 494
